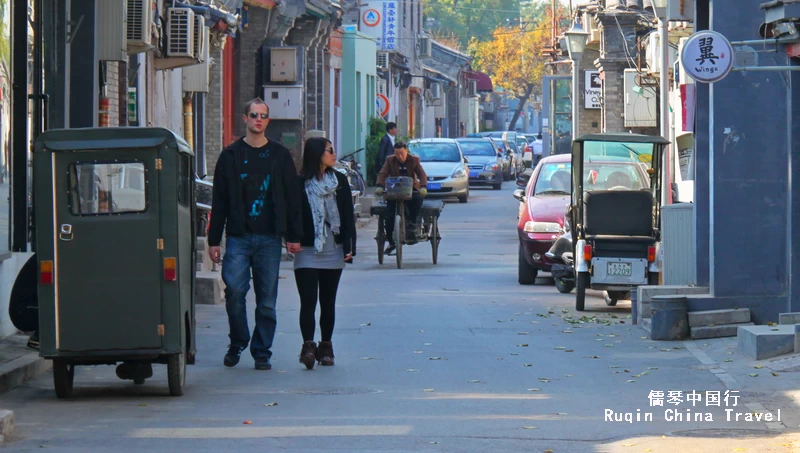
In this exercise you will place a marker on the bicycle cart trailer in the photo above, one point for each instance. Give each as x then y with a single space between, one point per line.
115 239
428 230
615 213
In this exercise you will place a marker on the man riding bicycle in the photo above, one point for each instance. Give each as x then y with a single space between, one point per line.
403 164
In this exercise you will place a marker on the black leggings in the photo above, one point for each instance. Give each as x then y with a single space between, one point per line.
311 282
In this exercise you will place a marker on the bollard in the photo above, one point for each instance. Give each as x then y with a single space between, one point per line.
670 319
634 308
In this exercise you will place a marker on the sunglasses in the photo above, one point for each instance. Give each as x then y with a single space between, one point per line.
330 150
255 115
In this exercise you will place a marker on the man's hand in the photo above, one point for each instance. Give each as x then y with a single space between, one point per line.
214 253
293 247
423 192
379 191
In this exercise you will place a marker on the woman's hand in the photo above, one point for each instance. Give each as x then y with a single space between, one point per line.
348 258
293 247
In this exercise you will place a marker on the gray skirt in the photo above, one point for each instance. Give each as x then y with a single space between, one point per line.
331 256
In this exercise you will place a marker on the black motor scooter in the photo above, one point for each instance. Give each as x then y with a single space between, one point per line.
564 272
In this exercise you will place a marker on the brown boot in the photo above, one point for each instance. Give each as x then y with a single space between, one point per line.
325 353
307 354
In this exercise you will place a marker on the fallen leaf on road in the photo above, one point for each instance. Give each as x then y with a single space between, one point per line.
529 427
643 338
569 375
652 368
609 345
560 348
366 358
524 333
647 450
417 352
451 289
247 422
759 366
500 321
534 390
666 349
514 353
630 380
628 445
366 325
206 327
271 404
427 390
143 405
411 370
753 374
566 331
281 371
591 357
474 382
562 413
569 350
528 364
434 358
523 345
548 451
729 360
534 322
428 344
775 374
613 366
420 331
435 443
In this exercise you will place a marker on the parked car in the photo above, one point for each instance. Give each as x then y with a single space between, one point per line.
445 165
485 163
508 140
544 201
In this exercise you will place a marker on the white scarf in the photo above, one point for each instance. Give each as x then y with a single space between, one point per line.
322 198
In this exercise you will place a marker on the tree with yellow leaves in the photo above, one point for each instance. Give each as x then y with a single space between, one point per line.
513 57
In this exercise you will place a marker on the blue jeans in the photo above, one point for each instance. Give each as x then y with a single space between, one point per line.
262 253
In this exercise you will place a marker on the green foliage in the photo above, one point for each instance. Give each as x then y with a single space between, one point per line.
377 129
464 19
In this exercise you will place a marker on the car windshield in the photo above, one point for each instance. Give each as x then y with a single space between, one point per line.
637 152
554 179
435 152
481 148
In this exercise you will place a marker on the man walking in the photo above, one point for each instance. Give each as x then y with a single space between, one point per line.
255 199
386 146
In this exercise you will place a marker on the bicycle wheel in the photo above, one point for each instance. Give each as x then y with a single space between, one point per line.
380 238
399 237
434 238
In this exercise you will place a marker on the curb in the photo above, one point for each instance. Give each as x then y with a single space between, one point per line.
22 369
6 423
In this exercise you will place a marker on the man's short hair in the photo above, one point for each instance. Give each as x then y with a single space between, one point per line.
390 126
399 145
252 102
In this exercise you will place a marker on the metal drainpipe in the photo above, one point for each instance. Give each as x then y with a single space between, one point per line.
188 121
664 88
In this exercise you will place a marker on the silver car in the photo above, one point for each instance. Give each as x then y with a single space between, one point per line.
485 164
445 165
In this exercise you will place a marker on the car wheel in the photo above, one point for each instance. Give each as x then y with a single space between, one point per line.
526 274
582 284
498 186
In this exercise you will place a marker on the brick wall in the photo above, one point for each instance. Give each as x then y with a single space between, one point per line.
213 123
248 48
589 120
617 46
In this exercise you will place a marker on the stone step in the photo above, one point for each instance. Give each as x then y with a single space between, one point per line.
209 289
763 342
725 330
719 317
789 318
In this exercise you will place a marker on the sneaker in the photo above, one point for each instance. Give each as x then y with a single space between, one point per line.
33 341
233 355
263 364
307 354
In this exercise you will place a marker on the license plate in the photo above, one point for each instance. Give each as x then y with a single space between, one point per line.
474 174
618 270
434 186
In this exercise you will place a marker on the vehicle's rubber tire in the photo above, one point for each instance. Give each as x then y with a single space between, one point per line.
176 373
399 238
498 186
581 283
652 278
564 287
63 377
380 239
526 274
434 238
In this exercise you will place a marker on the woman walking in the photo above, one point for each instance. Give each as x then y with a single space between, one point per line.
329 241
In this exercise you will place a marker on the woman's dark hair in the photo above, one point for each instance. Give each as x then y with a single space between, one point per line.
312 157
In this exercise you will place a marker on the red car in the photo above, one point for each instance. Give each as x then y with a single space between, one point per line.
544 201
543 204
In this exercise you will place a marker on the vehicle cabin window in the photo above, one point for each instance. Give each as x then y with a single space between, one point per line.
102 188
435 152
554 179
184 172
477 149
637 152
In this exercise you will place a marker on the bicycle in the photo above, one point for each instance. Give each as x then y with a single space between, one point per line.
348 166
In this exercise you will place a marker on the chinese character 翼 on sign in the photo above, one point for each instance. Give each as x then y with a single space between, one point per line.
707 56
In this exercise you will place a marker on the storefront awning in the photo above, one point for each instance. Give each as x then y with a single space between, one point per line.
484 81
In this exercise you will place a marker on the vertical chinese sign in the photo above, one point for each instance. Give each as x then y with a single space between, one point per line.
389 41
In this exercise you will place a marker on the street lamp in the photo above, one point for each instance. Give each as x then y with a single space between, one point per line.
576 43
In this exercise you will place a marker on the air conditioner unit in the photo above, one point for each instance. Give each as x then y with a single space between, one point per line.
436 91
587 22
472 88
383 60
425 46
654 54
180 32
640 104
138 26
202 37
380 86
196 77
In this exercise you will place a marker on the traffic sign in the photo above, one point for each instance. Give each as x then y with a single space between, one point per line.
381 105
372 17
707 56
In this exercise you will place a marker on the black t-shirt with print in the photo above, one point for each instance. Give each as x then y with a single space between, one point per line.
255 167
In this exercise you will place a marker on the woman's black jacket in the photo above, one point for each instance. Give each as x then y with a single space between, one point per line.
344 200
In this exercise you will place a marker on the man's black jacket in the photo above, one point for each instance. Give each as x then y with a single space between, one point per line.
227 205
385 150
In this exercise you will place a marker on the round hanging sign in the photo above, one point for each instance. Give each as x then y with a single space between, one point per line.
707 56
381 105
371 17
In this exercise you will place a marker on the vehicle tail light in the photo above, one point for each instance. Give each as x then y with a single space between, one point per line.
170 273
46 272
651 254
587 252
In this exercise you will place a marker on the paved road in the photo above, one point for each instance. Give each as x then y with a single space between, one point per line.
454 357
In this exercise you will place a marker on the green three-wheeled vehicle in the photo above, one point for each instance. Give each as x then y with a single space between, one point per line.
615 213
115 236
